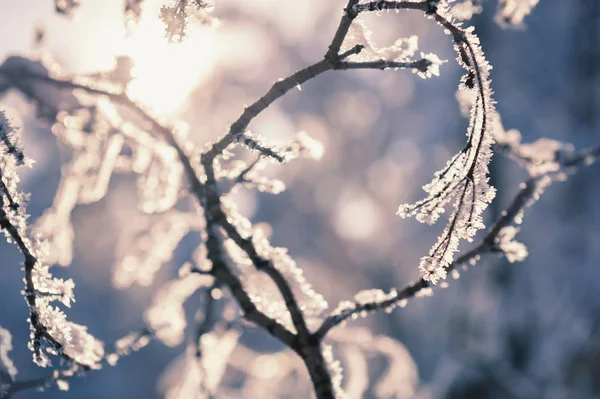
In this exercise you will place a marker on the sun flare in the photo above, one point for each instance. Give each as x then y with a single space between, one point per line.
164 73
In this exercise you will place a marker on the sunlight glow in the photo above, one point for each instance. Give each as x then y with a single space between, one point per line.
166 73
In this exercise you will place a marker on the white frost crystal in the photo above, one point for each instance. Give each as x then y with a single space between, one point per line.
464 180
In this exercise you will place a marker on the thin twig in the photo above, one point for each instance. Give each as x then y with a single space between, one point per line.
488 244
421 65
36 383
39 329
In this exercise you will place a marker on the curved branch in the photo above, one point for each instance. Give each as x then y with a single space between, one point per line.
528 194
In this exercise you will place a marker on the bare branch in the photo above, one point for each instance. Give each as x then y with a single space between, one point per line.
392 5
421 65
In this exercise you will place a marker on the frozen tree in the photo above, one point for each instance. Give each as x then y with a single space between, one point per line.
242 278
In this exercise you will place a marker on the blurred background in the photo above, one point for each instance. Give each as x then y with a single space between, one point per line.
522 330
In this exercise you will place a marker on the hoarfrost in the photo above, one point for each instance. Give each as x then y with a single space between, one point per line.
464 180
513 250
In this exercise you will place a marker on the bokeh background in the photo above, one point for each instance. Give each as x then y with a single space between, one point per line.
523 330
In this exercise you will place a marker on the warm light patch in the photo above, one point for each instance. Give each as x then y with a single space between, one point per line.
165 73
357 216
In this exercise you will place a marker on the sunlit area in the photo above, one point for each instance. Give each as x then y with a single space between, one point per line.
279 199
164 73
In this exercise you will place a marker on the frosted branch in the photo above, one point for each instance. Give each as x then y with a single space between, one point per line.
124 346
40 313
421 65
530 191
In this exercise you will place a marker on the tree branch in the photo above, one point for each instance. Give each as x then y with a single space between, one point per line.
39 329
528 194
391 5
421 65
37 383
222 272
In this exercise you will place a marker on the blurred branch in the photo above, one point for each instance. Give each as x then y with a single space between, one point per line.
221 270
24 385
207 323
210 315
140 339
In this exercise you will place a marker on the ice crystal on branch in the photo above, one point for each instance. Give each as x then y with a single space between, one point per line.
83 348
402 50
541 157
398 55
261 289
336 370
51 333
10 140
432 68
255 142
114 134
313 303
150 245
239 172
464 180
175 16
175 19
50 329
513 250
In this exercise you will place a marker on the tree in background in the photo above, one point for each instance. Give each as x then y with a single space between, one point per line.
188 192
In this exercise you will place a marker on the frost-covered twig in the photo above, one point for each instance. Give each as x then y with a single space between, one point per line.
464 180
529 193
39 330
223 273
421 65
124 346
